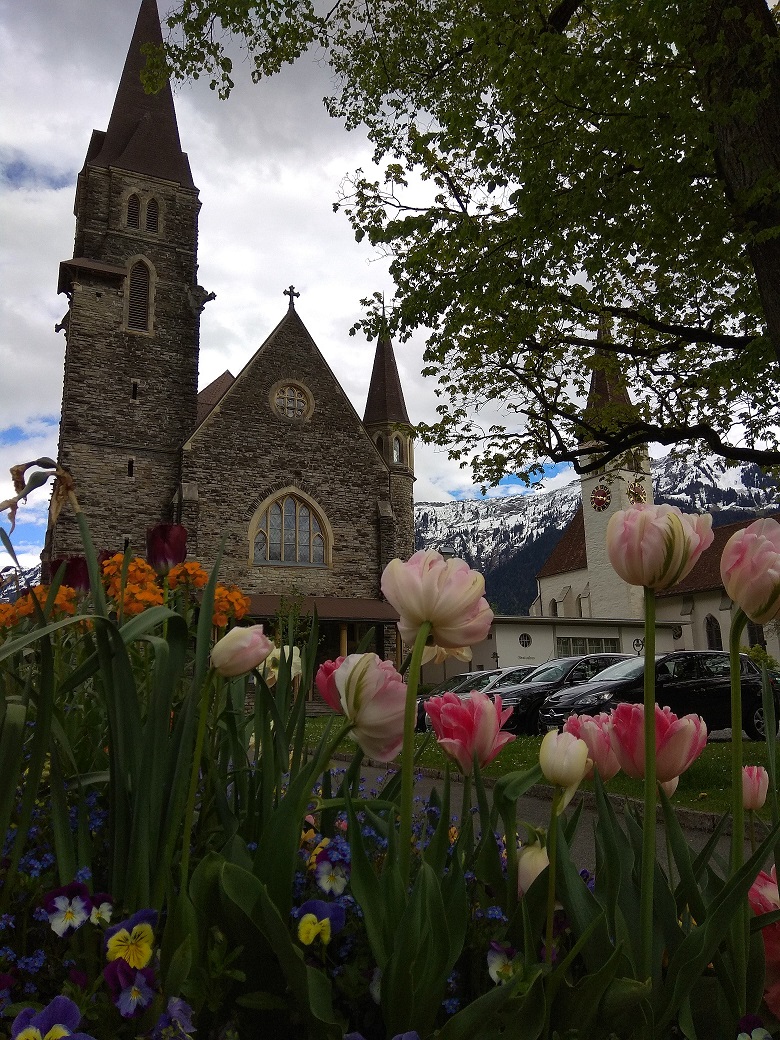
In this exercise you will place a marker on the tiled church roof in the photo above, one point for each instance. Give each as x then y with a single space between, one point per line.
213 393
385 403
569 553
142 134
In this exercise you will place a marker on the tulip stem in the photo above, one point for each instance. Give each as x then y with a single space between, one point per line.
651 795
189 813
739 927
552 853
407 756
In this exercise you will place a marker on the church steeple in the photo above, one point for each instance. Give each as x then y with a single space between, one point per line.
142 135
385 404
134 303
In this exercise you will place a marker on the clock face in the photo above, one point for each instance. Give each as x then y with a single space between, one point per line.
636 491
600 497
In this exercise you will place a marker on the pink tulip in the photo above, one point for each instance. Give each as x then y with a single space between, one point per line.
656 546
670 786
763 897
678 742
531 861
326 684
469 727
755 784
241 650
373 697
595 731
166 546
445 592
750 569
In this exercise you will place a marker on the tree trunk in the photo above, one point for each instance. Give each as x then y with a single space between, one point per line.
734 48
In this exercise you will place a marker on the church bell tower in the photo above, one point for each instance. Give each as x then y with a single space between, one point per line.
132 325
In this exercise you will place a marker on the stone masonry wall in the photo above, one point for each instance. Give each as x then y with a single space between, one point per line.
245 452
129 398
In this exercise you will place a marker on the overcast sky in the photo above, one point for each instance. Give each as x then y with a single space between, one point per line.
268 163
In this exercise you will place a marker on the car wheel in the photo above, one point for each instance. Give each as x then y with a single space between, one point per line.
754 723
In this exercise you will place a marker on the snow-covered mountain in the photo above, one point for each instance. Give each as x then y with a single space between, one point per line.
508 539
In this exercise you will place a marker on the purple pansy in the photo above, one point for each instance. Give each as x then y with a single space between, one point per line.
61 1012
131 989
175 1023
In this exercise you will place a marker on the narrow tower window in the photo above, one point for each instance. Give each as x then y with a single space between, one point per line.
398 455
130 467
134 390
152 216
133 211
138 309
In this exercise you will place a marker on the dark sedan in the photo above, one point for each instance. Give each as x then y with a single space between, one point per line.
528 696
689 682
462 683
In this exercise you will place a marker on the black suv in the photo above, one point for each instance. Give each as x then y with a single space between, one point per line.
689 682
528 696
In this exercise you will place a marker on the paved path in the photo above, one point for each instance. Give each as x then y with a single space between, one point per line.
534 808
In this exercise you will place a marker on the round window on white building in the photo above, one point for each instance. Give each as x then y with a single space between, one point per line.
524 639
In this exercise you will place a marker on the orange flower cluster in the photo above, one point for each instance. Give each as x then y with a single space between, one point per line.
141 588
189 574
228 603
8 615
64 601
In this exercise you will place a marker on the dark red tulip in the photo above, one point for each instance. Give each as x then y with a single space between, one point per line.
166 545
76 573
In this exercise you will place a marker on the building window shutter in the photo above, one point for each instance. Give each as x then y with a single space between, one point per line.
133 211
138 304
152 216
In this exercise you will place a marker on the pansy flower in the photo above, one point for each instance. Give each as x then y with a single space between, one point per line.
58 1019
175 1023
133 939
131 989
331 877
68 907
318 919
502 962
102 908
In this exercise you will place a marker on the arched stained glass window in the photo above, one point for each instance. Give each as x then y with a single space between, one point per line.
289 532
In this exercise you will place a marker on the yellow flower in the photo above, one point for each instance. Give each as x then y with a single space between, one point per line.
135 947
309 928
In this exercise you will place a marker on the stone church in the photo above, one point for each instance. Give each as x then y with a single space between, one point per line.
310 501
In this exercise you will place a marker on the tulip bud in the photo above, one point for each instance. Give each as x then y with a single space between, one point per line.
755 784
166 545
468 727
564 761
241 650
446 593
326 684
656 546
595 731
76 572
531 861
750 569
373 697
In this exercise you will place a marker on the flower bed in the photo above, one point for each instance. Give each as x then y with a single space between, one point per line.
174 865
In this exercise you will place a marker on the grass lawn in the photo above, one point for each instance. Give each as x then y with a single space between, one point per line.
705 786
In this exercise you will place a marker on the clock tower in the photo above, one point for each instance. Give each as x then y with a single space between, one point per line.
606 490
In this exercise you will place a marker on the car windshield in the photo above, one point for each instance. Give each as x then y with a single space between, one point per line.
480 681
511 678
627 669
549 672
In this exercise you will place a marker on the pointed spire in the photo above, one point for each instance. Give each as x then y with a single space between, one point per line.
385 403
607 385
142 134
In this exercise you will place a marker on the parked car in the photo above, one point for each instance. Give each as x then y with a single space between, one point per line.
688 682
527 697
464 682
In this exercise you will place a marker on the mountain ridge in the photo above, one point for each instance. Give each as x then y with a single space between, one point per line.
508 539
